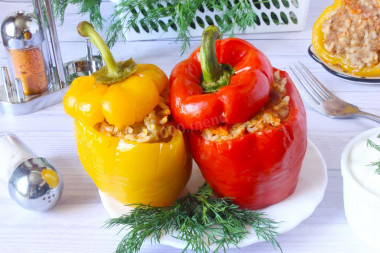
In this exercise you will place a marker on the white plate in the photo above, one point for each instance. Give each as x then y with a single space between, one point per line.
290 212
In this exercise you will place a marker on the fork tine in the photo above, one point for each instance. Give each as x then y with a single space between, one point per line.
311 83
308 96
317 82
332 106
305 83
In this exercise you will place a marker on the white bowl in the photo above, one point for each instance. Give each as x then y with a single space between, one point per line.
361 188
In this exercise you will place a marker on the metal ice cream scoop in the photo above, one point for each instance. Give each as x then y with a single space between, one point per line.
31 180
35 184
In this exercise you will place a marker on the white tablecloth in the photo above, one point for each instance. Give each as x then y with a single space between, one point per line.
75 225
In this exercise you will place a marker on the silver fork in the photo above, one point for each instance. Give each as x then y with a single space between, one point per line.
322 99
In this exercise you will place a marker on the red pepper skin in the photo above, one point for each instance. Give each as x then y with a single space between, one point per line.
237 102
257 169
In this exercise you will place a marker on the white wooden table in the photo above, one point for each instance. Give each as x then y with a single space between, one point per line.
75 225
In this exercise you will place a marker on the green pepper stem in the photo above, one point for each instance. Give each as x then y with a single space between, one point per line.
215 75
85 29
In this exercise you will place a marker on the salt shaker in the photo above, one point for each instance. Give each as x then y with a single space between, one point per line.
31 180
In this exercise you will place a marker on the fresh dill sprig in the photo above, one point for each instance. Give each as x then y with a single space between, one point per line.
200 219
151 15
92 7
377 147
130 14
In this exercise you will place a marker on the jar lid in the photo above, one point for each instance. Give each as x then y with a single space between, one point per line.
21 30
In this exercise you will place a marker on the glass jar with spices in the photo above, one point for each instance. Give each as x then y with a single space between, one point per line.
27 51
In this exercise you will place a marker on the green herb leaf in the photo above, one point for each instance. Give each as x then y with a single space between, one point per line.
91 7
200 219
377 147
179 15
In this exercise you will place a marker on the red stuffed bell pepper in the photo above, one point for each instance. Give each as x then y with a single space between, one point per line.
255 158
231 92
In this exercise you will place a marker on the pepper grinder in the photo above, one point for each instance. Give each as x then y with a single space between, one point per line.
36 77
25 44
32 181
35 65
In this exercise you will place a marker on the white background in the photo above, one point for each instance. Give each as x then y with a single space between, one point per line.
75 225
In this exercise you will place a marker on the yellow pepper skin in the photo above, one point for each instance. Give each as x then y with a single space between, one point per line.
147 173
131 172
318 42
122 94
121 104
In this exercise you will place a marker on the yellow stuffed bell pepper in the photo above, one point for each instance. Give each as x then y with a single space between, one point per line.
346 16
124 139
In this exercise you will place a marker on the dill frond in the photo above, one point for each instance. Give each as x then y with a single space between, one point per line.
91 7
377 147
131 14
200 219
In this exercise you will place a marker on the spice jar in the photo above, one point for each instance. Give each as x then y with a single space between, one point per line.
26 48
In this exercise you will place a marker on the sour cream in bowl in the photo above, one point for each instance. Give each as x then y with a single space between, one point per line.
361 187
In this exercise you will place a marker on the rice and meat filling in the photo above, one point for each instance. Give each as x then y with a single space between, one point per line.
353 31
154 128
157 128
271 115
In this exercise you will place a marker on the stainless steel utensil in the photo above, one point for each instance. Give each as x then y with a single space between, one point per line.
39 30
322 99
44 12
31 180
27 50
35 185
